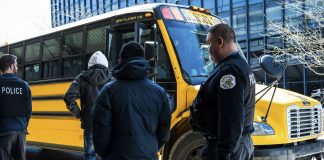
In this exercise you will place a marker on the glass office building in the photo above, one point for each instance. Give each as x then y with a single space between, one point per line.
245 16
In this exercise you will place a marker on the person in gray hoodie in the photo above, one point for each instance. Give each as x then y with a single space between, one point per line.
87 86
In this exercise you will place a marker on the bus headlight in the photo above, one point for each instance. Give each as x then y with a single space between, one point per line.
262 129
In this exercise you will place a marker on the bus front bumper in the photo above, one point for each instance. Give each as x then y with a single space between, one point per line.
315 149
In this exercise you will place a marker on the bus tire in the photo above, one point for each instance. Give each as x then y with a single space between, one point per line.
187 147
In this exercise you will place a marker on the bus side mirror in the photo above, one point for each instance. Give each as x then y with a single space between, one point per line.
272 67
149 50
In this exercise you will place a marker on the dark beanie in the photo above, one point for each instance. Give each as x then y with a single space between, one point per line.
131 49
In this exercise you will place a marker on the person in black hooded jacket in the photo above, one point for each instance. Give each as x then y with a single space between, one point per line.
131 117
87 86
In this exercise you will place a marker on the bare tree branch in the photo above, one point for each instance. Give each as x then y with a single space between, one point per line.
302 34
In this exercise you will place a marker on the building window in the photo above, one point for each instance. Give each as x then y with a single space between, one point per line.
274 11
122 3
210 5
183 2
62 9
100 6
256 45
195 3
94 7
292 17
274 42
114 4
140 2
309 7
315 82
66 12
148 1
71 13
256 25
76 8
88 9
243 46
81 10
223 7
108 5
239 19
294 78
131 2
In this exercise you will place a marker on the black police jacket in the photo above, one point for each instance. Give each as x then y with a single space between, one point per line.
86 86
15 103
227 108
131 117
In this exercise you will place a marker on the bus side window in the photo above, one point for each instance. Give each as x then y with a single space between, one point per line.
95 41
50 58
72 66
51 69
115 39
72 54
32 70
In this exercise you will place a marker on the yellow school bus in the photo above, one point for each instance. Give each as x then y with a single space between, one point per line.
174 39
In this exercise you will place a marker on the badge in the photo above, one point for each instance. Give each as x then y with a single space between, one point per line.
227 82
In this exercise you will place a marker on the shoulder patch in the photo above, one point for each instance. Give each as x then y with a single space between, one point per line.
227 82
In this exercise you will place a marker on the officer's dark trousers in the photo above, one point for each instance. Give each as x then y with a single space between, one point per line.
13 145
244 151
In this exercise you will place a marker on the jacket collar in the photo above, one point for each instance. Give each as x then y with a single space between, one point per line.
8 75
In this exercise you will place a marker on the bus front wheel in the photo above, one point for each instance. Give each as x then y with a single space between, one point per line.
187 147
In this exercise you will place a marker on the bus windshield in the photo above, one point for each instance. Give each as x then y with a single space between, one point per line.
190 43
189 40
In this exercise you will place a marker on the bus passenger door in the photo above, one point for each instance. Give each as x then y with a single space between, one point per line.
113 46
161 70
116 37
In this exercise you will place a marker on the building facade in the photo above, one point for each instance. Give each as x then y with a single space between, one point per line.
245 16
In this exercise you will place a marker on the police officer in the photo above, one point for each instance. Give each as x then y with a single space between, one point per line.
226 108
15 110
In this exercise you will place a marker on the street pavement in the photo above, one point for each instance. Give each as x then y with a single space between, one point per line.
34 153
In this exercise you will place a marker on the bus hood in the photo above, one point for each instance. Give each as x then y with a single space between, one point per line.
279 115
284 97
